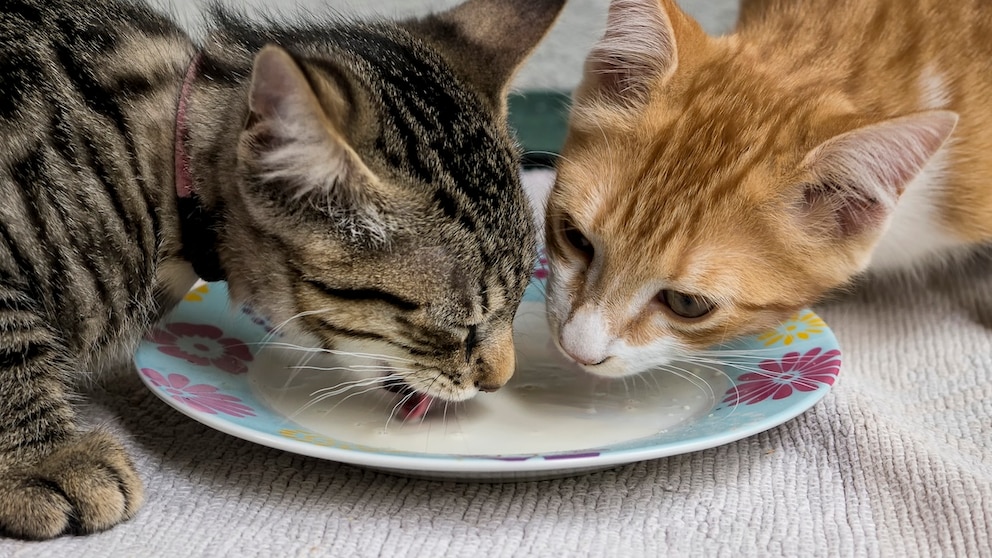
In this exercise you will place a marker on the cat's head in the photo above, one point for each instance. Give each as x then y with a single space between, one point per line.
379 201
705 193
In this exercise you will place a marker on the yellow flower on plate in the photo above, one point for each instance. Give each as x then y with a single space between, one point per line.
800 327
196 295
308 437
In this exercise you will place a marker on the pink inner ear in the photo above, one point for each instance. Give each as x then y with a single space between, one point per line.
861 174
611 79
637 48
850 212
279 90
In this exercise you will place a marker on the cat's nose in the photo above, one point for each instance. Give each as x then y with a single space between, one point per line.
584 338
494 361
488 386
585 360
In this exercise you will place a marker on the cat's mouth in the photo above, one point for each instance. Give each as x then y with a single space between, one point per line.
415 404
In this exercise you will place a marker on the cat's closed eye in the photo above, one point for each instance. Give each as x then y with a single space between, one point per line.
575 240
686 306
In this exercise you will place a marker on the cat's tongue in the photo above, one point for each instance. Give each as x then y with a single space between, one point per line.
416 406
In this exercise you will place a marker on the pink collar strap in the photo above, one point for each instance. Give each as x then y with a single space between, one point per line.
198 224
184 179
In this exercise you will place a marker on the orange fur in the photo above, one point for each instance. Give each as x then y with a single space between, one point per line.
760 169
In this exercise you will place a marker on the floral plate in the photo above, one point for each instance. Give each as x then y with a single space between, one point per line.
227 368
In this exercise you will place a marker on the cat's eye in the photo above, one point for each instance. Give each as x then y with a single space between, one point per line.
684 305
576 239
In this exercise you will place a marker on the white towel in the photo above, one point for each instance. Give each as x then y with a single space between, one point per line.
895 461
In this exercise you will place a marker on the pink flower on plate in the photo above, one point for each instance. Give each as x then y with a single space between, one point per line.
779 378
541 269
203 345
201 397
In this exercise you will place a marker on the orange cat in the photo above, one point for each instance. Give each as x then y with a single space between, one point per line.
712 186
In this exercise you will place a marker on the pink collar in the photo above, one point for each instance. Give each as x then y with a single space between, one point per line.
184 178
197 225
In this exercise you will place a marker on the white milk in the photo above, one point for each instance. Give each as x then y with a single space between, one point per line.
548 406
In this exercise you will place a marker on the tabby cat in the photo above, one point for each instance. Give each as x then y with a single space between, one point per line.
358 177
712 186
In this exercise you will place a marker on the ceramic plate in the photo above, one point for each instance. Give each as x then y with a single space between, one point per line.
226 367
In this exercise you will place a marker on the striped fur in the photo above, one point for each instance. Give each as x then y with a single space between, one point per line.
377 195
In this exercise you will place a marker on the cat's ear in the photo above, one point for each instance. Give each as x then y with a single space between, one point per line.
639 49
486 41
298 138
856 178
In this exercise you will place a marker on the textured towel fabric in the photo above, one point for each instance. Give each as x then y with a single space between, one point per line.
895 461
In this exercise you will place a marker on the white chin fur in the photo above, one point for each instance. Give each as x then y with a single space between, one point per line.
628 361
620 359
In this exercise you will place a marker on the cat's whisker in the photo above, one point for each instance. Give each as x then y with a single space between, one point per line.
725 360
654 378
716 368
540 166
691 377
333 394
550 154
690 359
421 384
323 396
345 386
642 378
712 365
352 368
423 416
721 352
291 377
541 288
336 352
406 397
371 389
279 327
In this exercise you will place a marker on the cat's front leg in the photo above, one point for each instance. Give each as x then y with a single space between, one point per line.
54 479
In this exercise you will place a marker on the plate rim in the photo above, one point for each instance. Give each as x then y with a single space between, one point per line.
494 465
455 463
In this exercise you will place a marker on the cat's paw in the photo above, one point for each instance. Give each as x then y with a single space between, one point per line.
86 485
